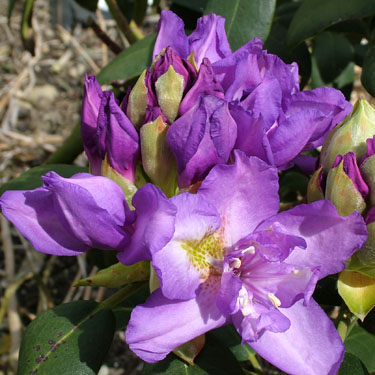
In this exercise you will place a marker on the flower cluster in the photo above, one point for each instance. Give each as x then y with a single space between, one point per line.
210 128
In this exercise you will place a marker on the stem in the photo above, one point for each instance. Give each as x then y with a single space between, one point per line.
352 322
119 296
255 363
122 23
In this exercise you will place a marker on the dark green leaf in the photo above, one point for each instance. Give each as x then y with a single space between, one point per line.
245 19
31 179
196 5
352 366
88 4
316 15
362 344
69 339
123 310
276 44
229 337
214 359
368 70
130 63
333 52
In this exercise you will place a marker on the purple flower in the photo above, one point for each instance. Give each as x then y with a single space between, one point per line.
207 40
203 137
107 133
232 259
67 216
276 121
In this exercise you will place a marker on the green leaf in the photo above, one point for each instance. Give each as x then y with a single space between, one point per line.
368 70
333 52
229 337
31 179
130 63
195 5
276 44
314 16
69 339
214 359
245 19
90 5
352 366
123 310
362 343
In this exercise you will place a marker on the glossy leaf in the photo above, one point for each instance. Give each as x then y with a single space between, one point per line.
195 5
368 70
123 310
69 339
314 16
130 63
31 179
362 343
333 52
244 19
229 337
118 275
352 366
214 359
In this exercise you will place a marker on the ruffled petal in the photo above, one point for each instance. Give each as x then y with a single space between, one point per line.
331 239
209 39
244 207
154 225
58 217
184 263
311 346
171 33
160 325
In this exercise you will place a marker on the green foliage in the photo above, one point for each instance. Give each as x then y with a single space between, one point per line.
333 52
214 359
244 19
130 63
314 16
352 366
69 339
362 343
368 72
31 179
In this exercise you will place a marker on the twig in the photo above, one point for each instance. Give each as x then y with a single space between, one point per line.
113 46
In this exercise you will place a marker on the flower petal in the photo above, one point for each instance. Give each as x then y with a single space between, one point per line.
160 325
154 225
184 263
244 207
311 346
70 215
209 39
331 239
171 33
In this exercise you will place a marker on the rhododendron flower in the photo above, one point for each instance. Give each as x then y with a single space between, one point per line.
231 258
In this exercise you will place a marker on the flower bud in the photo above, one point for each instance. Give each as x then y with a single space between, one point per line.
314 189
358 292
139 98
157 158
350 136
367 168
345 187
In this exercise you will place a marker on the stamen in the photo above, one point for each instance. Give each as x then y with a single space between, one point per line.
250 249
235 263
296 272
274 300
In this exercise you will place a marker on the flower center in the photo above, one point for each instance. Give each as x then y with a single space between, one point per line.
207 254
